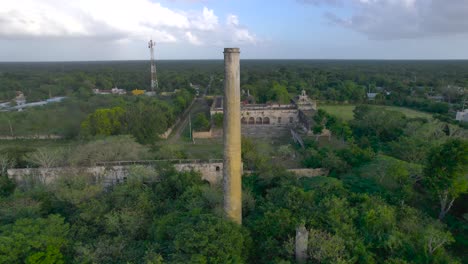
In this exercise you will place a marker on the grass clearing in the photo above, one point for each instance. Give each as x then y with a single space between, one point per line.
201 149
205 149
345 112
410 113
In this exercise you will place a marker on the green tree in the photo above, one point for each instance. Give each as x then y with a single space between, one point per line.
273 235
105 122
7 185
435 238
201 123
446 173
218 119
279 94
250 155
47 158
108 149
146 121
38 240
377 124
51 255
326 248
209 239
286 152
353 92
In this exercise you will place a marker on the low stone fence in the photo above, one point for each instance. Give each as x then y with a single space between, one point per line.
202 134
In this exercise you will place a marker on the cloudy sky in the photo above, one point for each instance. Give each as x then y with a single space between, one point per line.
51 30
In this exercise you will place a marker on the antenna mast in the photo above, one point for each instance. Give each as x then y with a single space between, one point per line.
154 78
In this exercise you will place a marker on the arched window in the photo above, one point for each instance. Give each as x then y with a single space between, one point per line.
218 168
259 121
251 121
279 120
266 120
206 182
243 121
291 119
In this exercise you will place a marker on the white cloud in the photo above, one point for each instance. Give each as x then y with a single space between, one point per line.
239 33
321 2
206 21
399 19
232 20
192 38
119 20
243 35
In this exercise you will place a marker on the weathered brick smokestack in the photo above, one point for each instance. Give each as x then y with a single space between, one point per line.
232 169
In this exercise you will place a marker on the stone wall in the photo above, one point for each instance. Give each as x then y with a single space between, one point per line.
106 175
262 114
166 134
263 131
462 116
31 137
202 134
276 117
254 131
267 116
211 172
110 175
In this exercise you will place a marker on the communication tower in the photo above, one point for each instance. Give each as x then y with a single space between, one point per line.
154 78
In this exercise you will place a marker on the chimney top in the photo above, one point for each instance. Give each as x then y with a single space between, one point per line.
231 50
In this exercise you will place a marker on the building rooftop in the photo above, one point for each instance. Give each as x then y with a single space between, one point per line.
372 95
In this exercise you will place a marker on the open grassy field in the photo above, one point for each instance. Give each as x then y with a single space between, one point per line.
205 149
345 112
201 149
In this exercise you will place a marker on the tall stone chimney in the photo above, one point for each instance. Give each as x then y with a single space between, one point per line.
232 169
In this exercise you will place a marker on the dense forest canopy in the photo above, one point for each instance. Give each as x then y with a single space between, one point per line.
401 83
396 189
373 213
316 76
37 80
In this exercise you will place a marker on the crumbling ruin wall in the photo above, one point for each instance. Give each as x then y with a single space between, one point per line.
211 172
110 175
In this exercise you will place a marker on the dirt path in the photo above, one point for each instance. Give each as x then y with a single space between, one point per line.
175 136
